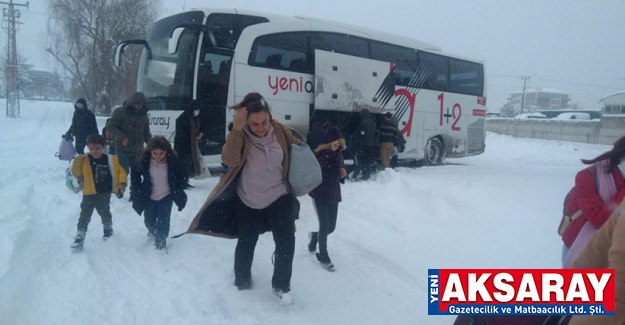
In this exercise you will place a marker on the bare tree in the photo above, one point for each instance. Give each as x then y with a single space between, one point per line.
82 35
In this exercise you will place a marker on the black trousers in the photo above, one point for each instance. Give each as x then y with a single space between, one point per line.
81 142
100 202
368 155
327 213
251 222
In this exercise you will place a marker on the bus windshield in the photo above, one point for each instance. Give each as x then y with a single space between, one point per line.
167 79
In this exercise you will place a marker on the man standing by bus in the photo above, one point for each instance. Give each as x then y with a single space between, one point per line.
366 136
388 135
131 129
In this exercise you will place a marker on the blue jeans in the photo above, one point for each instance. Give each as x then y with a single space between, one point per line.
157 215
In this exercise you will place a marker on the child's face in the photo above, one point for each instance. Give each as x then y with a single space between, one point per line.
95 150
158 154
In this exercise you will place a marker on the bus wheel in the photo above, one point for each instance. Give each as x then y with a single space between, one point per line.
434 152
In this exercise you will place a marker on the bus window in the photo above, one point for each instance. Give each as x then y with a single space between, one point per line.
223 29
284 51
340 43
228 27
436 70
466 77
213 75
405 60
167 79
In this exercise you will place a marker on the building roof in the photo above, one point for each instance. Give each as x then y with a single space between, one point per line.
541 90
612 95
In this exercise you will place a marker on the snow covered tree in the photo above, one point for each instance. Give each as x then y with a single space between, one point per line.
82 35
24 82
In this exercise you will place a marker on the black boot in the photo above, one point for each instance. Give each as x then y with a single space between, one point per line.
325 261
78 242
108 232
312 246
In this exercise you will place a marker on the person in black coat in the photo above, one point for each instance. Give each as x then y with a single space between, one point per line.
83 125
158 182
185 141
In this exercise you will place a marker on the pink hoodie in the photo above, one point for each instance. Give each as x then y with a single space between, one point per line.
261 182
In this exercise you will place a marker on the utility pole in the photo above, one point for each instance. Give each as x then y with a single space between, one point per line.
525 79
11 16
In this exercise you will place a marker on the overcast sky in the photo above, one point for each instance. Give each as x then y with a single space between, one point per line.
576 46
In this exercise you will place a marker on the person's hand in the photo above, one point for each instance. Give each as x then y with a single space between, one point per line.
342 173
334 146
125 142
240 118
199 136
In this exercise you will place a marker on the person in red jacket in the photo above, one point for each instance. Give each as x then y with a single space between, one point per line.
598 190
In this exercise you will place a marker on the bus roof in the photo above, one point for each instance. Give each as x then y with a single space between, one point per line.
271 17
378 35
373 34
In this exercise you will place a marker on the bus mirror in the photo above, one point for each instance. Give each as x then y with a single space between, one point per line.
119 51
174 40
118 54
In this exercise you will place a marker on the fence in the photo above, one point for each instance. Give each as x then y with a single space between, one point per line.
604 131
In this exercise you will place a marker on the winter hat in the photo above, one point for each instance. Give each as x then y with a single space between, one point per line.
332 134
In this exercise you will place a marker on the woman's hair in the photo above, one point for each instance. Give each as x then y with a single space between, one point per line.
615 155
157 142
255 103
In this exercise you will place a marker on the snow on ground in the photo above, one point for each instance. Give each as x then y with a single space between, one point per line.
498 210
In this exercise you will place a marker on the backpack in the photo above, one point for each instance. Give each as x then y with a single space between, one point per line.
570 216
66 149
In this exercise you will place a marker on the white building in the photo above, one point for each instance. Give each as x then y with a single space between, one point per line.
614 104
538 99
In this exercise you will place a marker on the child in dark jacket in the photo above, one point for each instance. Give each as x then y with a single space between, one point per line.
326 197
158 182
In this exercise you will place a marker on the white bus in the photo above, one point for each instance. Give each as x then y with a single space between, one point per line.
311 70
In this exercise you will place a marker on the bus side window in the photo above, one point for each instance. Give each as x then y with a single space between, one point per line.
274 61
436 70
282 51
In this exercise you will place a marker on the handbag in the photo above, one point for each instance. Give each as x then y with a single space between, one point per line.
304 169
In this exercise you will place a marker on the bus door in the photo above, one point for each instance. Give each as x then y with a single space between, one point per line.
214 66
344 85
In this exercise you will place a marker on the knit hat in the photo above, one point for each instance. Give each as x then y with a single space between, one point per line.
331 134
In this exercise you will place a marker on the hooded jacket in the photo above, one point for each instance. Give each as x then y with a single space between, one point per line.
83 121
129 123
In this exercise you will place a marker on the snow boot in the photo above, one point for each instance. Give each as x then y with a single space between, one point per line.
325 261
312 246
284 297
243 284
160 243
108 232
79 241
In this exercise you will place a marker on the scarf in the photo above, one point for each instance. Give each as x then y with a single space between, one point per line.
261 143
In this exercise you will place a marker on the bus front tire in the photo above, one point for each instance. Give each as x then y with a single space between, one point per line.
434 152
